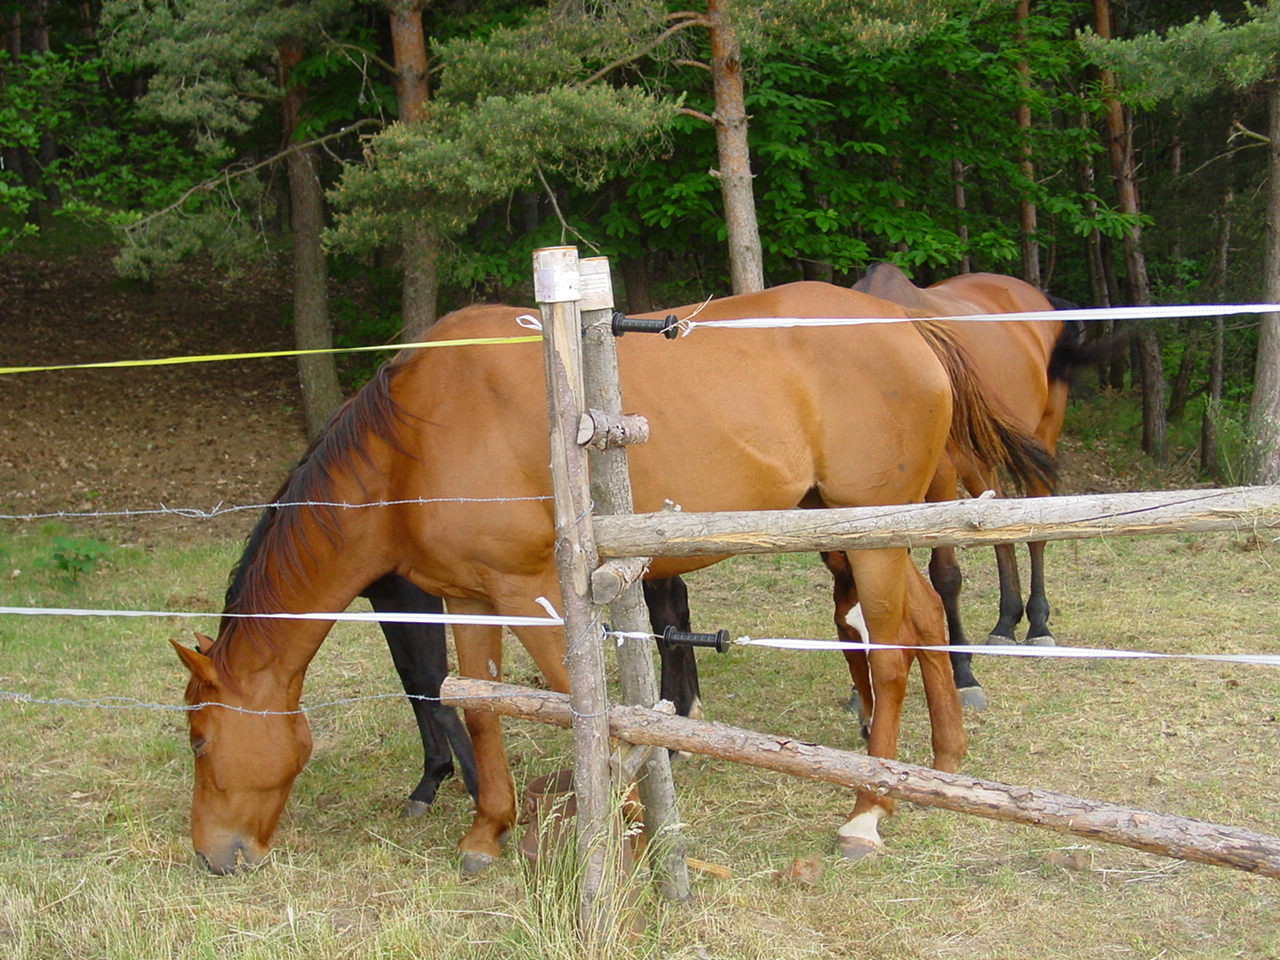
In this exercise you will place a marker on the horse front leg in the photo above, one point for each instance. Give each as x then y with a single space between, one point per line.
668 601
479 650
421 658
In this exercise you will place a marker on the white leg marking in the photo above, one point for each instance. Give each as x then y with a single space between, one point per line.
855 619
864 826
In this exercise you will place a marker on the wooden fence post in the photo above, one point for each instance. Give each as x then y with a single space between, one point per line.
555 273
611 494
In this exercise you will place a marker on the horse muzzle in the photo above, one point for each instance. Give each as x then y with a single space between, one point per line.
230 855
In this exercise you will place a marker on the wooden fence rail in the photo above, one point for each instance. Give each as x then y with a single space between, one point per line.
1171 836
961 523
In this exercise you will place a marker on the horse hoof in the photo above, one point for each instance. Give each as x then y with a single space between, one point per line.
857 848
995 640
973 698
1044 640
414 808
474 863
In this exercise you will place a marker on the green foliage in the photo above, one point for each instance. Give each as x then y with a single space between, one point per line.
109 160
854 156
1195 59
209 63
446 169
70 558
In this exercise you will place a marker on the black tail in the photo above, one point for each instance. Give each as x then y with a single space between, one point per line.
1075 350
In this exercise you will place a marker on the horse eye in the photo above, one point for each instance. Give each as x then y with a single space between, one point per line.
197 746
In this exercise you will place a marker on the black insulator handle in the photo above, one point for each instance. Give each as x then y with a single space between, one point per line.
719 639
667 326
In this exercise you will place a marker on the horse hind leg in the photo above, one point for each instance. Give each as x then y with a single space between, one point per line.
1010 596
851 628
925 629
1038 631
881 579
947 579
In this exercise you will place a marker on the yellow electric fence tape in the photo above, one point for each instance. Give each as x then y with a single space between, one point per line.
163 361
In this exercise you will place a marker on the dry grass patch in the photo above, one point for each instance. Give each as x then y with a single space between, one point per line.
95 861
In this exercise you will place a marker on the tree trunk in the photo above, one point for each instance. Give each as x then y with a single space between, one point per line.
961 204
1213 395
1180 388
1120 152
1212 406
11 155
1264 410
635 280
317 374
1027 206
38 23
746 260
420 290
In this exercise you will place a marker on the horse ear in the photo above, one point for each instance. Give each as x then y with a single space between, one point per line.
203 643
201 666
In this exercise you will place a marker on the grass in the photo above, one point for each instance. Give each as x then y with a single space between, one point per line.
95 860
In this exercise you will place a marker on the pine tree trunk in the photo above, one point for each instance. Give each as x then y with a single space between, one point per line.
420 290
1147 346
48 152
1027 206
746 260
11 155
1213 392
635 279
1264 410
961 203
317 374
1180 388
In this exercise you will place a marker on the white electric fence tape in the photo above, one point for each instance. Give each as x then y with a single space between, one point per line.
1002 650
1087 314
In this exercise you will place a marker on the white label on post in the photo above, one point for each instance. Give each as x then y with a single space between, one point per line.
555 274
596 284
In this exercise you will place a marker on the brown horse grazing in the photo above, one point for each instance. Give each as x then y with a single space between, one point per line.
1025 367
740 420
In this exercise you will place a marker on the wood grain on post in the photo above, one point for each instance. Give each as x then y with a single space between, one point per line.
961 523
1180 837
611 494
555 271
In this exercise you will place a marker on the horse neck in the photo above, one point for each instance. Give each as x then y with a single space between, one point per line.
327 569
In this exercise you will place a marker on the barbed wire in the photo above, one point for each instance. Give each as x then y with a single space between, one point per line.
195 513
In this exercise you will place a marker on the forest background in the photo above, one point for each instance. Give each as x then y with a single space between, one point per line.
406 156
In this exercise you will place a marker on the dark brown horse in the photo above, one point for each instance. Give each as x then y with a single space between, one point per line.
754 419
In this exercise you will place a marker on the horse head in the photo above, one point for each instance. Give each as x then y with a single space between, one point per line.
248 751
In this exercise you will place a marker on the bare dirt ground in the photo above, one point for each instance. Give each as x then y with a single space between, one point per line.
188 436
192 436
